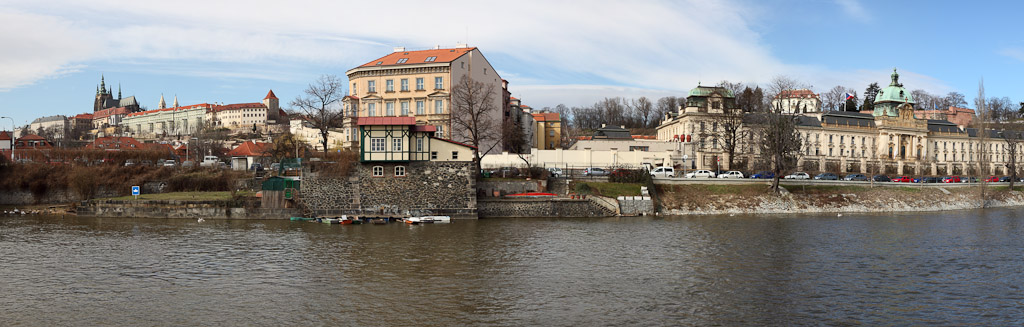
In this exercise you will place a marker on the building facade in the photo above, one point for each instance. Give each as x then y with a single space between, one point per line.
890 140
54 126
174 121
547 131
418 84
797 101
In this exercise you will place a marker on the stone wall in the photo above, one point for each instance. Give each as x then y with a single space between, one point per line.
25 197
443 188
636 205
503 187
178 209
495 208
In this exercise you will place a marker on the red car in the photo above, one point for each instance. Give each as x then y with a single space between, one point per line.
903 179
951 179
992 179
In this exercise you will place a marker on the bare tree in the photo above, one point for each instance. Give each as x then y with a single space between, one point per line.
778 140
320 105
730 131
670 104
473 109
644 108
835 99
986 151
1012 136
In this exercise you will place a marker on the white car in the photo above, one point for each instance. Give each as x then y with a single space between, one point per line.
731 174
663 172
798 175
701 173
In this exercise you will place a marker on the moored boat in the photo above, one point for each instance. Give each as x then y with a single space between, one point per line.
428 220
302 219
378 221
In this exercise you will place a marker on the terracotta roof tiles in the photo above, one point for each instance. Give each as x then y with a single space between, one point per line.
419 57
250 149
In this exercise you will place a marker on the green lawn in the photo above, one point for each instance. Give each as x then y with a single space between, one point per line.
613 190
201 196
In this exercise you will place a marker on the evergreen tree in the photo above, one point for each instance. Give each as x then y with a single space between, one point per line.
869 97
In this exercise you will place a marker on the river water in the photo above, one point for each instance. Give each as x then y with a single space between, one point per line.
950 268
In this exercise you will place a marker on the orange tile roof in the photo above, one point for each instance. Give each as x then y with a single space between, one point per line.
5 136
386 121
270 95
84 116
238 106
116 143
250 149
547 116
645 137
195 106
110 112
31 137
419 57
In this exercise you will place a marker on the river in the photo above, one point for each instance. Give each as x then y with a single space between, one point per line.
949 268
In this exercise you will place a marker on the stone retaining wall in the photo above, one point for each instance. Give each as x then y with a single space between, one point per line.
25 197
428 188
636 205
495 208
489 188
178 209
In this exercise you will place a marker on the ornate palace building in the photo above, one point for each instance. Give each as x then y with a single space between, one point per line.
890 140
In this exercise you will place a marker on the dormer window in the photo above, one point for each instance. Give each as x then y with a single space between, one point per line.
430 59
403 60
380 63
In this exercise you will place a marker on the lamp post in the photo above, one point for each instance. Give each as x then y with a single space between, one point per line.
12 137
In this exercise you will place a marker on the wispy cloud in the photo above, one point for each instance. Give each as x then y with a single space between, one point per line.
1015 53
854 9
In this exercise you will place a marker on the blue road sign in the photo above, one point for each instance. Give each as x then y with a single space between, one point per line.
135 190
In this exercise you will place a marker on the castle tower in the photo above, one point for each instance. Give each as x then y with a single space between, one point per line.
162 104
175 101
273 106
103 97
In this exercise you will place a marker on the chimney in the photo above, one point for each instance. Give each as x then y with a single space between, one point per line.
437 47
622 126
399 49
461 45
603 125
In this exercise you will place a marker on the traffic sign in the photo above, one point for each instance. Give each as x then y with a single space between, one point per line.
136 191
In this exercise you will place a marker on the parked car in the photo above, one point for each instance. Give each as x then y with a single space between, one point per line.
731 174
1004 179
763 175
147 163
256 166
129 162
856 177
827 177
881 178
903 179
951 179
968 179
663 171
701 174
505 172
798 175
595 172
168 163
188 164
209 161
929 179
620 172
555 171
992 179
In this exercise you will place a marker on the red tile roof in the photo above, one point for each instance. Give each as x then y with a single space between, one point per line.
31 137
206 106
645 137
116 143
352 97
250 149
110 112
453 142
5 136
419 57
548 116
84 116
270 95
238 106
386 121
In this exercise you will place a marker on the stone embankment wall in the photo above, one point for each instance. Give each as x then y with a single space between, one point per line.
26 197
178 209
636 205
545 207
428 188
504 187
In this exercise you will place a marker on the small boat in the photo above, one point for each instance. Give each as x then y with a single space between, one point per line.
379 221
428 220
302 219
331 221
533 195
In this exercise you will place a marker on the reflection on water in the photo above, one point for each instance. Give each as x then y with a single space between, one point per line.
934 268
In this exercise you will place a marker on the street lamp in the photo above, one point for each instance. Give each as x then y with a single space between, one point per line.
12 137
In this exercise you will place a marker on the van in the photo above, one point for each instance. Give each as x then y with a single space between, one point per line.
209 161
663 172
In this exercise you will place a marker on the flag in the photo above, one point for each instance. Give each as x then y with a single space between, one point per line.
849 96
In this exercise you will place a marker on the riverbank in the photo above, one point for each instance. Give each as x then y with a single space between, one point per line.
708 199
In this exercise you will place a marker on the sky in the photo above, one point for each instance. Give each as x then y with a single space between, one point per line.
551 52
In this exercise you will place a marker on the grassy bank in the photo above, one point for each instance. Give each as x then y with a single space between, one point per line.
611 190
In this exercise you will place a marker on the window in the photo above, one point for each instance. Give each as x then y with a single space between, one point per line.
551 133
485 71
371 86
378 171
405 84
455 155
400 171
419 83
390 108
389 85
403 60
371 108
377 144
439 83
438 106
405 108
353 88
396 145
430 59
419 145
433 155
420 107
440 132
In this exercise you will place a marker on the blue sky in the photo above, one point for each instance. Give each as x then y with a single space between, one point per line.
550 51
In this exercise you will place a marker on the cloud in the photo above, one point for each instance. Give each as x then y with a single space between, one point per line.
1015 53
854 9
38 47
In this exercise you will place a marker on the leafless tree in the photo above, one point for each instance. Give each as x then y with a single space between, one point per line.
667 105
473 112
1012 135
834 99
644 108
986 152
730 131
778 140
320 103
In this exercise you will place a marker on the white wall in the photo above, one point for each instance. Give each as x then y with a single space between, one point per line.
579 158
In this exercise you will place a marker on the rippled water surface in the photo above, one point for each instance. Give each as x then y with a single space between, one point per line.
952 268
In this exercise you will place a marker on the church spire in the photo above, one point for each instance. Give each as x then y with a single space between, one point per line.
163 104
119 91
103 84
175 100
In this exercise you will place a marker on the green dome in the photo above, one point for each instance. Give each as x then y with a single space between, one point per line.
894 92
703 91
